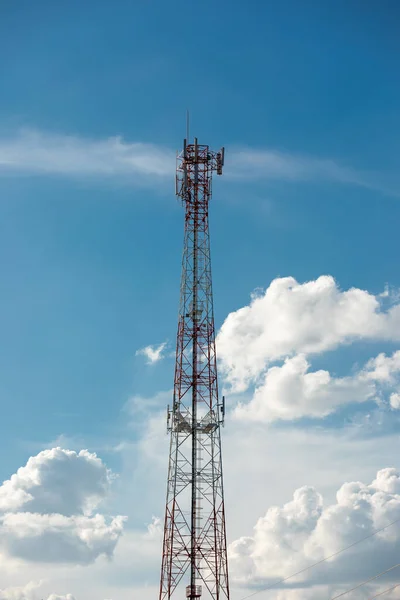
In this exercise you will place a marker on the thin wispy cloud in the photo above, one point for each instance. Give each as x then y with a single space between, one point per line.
34 152
267 164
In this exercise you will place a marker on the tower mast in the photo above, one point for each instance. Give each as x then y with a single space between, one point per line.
194 528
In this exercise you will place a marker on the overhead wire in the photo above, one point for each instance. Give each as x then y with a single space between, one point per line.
384 591
365 582
268 587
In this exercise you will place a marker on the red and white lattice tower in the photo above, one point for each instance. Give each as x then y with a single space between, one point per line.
194 547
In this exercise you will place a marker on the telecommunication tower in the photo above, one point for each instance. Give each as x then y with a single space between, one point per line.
194 546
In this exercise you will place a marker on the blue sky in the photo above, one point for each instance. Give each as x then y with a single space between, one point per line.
305 99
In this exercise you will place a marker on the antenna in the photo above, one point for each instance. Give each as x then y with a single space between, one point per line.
187 125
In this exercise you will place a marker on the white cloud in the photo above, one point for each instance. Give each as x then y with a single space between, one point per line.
138 555
270 462
34 151
273 164
155 528
57 481
395 401
254 458
153 354
384 369
57 538
293 318
29 592
290 392
141 406
47 509
304 531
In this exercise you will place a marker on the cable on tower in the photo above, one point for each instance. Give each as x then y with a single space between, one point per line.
365 582
265 589
384 591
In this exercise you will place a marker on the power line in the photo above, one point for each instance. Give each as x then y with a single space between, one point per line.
364 582
385 591
265 589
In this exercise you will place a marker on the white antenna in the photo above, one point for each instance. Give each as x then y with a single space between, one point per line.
187 126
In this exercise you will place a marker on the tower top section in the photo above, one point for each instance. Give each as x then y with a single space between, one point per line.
195 166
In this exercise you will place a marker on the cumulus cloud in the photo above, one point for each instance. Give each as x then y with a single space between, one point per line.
56 538
57 481
153 354
291 392
29 592
47 509
293 318
384 369
304 531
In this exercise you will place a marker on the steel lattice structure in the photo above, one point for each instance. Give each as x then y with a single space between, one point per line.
194 530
